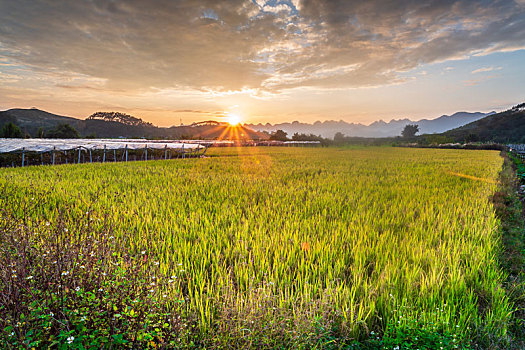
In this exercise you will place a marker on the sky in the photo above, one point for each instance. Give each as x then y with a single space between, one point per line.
173 61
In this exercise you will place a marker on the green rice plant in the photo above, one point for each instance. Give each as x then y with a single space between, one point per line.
290 247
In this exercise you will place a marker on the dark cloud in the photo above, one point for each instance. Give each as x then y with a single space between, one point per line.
236 44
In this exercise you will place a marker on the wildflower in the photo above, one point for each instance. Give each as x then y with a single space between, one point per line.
156 263
152 283
143 252
100 289
12 334
66 230
82 267
151 290
372 333
70 339
29 277
14 276
170 281
51 314
77 289
164 295
47 223
111 237
104 274
65 273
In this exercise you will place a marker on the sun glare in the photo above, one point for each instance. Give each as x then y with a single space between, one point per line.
234 119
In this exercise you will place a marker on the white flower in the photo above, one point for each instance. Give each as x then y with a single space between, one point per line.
111 237
170 281
47 223
104 274
82 267
151 290
70 339
14 276
100 289
77 289
164 295
156 263
173 277
143 252
12 334
152 283
51 314
65 230
29 277
65 273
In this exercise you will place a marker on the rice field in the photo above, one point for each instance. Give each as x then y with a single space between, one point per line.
356 241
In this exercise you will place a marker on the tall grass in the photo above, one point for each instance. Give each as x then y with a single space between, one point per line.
303 246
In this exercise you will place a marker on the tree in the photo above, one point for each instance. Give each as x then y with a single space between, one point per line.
40 133
11 131
63 131
339 137
410 130
279 135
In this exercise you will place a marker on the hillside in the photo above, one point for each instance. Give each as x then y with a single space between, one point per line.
114 125
376 129
504 127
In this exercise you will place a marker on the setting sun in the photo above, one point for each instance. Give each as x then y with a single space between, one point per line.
234 119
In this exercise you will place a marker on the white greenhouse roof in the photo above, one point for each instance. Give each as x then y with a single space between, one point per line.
47 145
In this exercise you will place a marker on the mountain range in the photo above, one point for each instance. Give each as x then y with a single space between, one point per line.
33 122
507 126
377 129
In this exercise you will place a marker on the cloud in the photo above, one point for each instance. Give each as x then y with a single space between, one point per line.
485 69
473 82
264 47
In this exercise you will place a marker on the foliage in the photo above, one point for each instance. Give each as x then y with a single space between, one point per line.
74 285
410 130
279 135
62 131
10 130
118 117
504 127
436 139
280 247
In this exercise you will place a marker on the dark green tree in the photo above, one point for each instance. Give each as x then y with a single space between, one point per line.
339 137
40 133
11 131
63 131
279 135
410 130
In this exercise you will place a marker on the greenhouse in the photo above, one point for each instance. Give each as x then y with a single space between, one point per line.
22 152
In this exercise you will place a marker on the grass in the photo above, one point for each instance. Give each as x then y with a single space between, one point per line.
282 248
